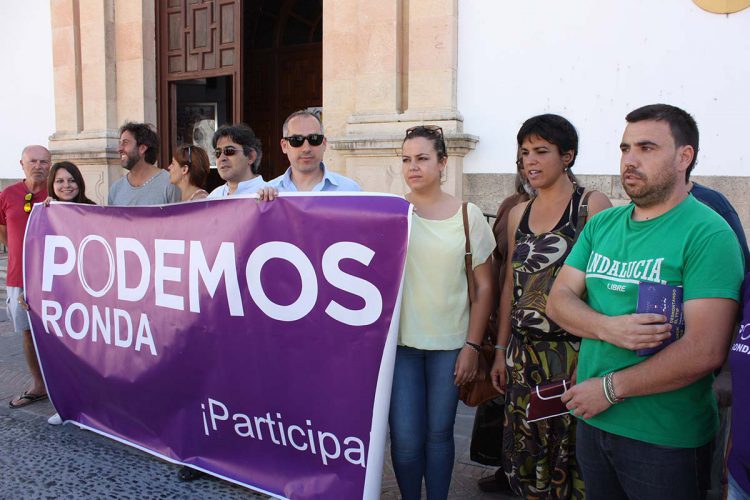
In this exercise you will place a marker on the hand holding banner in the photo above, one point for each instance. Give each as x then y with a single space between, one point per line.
251 340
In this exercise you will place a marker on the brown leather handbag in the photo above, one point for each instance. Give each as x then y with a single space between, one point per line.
480 389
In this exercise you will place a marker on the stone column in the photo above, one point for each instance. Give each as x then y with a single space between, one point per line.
104 72
388 66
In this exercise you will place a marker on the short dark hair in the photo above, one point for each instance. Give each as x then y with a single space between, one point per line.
73 170
144 134
554 129
196 159
681 123
243 135
301 112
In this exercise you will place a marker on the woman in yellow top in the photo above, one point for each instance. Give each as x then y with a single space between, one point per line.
439 334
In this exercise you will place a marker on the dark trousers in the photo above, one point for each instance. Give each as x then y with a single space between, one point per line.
615 467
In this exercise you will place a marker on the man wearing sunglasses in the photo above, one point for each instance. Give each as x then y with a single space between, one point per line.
304 145
16 202
238 153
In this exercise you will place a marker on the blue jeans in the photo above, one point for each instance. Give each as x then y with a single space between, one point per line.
616 467
423 411
735 491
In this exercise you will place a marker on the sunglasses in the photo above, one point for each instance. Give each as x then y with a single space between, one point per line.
424 129
297 141
27 206
429 131
227 150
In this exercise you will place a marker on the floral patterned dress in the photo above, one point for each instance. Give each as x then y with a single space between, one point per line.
539 457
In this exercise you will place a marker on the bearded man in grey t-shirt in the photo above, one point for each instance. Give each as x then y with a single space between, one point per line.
145 183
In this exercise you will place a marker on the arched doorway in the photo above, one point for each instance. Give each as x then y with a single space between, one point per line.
283 69
226 61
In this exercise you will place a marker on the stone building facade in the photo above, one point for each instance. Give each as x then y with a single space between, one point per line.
386 66
374 68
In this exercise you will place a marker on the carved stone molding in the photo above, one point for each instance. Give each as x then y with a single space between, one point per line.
390 145
375 160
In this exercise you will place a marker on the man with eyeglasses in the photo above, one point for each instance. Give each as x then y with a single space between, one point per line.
238 153
16 202
304 145
145 183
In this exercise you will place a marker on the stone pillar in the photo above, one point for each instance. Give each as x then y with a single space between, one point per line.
379 52
388 66
104 72
135 40
433 60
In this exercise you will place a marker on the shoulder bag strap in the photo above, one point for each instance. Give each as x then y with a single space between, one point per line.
467 255
583 214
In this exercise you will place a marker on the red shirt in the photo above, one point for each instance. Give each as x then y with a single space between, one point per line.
14 218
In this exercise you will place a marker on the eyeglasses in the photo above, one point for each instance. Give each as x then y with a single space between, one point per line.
424 130
190 156
297 141
227 150
27 206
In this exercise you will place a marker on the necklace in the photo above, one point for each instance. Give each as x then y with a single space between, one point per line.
147 181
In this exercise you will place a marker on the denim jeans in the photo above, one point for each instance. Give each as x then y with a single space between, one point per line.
616 467
735 491
423 411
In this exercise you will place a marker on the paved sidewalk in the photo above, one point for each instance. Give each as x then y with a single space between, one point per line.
38 460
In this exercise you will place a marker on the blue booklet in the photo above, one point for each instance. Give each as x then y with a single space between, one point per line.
661 299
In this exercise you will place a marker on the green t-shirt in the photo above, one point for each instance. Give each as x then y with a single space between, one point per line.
691 246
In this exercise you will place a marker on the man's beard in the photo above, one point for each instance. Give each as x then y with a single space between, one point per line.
132 160
652 192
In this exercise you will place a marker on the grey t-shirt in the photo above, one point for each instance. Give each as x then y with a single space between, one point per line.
156 191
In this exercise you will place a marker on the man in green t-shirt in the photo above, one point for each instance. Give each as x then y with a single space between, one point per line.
647 423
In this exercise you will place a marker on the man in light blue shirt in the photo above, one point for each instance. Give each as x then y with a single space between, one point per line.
304 145
238 153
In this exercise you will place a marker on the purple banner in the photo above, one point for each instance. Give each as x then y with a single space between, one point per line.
254 341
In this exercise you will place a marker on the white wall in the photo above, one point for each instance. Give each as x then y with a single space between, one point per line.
593 61
27 107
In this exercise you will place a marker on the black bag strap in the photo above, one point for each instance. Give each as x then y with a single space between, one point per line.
467 255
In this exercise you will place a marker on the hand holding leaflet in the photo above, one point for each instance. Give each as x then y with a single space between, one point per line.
666 300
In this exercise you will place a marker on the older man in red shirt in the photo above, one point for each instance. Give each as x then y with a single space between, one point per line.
16 202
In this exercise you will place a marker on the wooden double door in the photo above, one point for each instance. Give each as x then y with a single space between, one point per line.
229 61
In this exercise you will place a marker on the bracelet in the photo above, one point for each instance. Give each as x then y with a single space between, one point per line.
473 346
499 347
604 388
609 389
